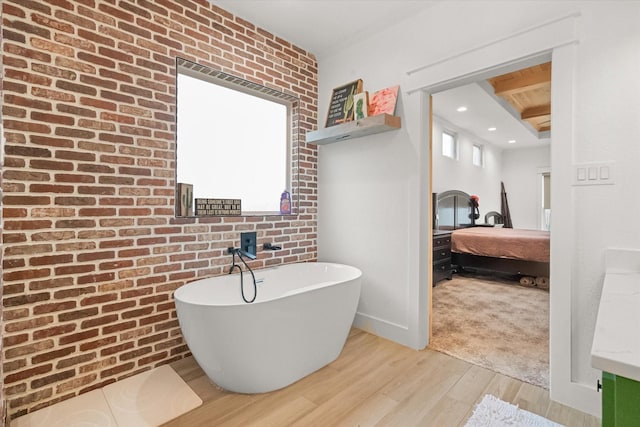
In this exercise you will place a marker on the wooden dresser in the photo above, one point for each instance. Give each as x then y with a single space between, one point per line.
441 255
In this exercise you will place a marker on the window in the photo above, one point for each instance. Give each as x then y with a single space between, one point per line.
478 155
449 145
235 139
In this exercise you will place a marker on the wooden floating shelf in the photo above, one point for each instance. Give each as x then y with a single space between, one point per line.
355 129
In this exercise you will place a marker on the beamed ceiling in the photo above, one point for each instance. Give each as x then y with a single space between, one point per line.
528 91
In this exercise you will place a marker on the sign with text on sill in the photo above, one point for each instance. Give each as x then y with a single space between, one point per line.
218 207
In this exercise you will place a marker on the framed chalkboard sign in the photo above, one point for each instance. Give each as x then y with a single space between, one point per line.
341 105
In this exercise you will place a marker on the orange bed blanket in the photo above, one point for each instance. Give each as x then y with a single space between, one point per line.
528 245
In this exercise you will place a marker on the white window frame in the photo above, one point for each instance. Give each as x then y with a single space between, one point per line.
480 149
213 144
454 148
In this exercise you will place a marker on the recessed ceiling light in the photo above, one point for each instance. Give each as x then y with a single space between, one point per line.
491 129
461 109
512 141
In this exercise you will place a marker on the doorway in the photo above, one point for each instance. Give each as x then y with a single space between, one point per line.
544 199
556 39
480 317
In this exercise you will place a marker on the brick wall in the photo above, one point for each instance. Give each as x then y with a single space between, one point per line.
2 406
92 251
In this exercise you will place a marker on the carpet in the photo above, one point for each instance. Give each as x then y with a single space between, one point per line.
493 412
494 323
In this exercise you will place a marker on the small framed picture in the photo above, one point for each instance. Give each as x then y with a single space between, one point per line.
341 105
360 105
384 101
185 199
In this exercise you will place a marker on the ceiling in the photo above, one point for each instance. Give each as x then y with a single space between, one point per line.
321 27
528 91
516 104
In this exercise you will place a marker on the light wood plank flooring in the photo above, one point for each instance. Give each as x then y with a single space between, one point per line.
374 382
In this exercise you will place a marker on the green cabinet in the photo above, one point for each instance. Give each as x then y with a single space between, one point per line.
620 401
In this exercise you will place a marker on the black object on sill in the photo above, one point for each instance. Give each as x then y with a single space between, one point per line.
270 247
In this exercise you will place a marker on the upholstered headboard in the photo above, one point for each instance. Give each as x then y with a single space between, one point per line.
453 209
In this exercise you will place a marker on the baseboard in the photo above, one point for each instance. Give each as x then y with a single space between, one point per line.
578 396
383 328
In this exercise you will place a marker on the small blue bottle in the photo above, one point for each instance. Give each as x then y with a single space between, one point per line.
285 203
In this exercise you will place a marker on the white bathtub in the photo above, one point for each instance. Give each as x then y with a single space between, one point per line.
298 323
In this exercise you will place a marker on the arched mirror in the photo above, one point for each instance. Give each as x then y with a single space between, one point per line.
236 147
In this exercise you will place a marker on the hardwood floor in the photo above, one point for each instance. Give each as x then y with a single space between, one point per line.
374 382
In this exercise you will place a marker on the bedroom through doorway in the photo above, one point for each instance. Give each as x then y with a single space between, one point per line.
486 134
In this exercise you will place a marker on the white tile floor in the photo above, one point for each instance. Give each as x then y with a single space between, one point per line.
144 400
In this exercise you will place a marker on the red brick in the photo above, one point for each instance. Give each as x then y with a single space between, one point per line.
76 360
57 377
95 37
56 282
50 141
95 278
26 200
116 349
26 299
153 338
30 398
50 188
26 249
54 307
98 299
53 331
22 375
117 370
9 341
74 269
75 19
75 383
76 223
102 342
80 336
107 308
55 354
24 350
135 353
153 358
51 260
137 313
26 274
77 314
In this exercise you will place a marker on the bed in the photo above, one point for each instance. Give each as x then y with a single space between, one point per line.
481 247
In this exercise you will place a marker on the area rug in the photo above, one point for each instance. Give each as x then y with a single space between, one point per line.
144 400
150 398
493 412
496 324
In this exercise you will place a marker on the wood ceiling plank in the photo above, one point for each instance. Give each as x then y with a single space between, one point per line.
534 78
528 91
537 111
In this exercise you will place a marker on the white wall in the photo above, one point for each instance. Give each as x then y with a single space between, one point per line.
522 183
371 190
461 173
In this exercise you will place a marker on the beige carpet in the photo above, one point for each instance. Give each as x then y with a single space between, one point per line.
496 324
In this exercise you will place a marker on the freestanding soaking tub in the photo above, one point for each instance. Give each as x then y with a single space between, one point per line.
298 323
